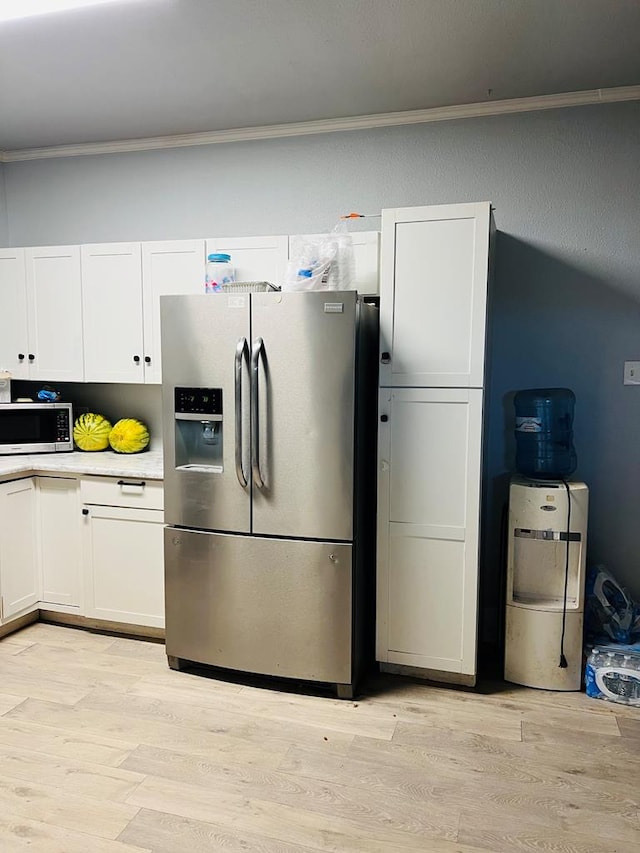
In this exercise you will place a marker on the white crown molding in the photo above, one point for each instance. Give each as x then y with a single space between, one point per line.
306 128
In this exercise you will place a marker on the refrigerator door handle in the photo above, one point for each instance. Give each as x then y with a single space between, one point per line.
242 351
258 347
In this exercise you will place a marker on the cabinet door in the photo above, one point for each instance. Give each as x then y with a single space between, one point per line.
428 528
54 300
60 542
434 273
13 313
18 548
254 258
168 268
112 312
124 564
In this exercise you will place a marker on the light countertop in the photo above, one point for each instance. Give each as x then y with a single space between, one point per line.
104 463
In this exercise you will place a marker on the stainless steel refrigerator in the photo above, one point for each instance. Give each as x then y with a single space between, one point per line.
269 421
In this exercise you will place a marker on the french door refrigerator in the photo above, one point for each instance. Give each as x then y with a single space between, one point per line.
269 420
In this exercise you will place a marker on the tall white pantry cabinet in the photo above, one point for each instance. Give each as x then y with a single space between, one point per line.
433 307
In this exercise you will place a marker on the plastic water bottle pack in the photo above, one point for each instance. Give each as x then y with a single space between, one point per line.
613 673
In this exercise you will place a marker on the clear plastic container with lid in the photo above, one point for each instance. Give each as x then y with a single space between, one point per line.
219 271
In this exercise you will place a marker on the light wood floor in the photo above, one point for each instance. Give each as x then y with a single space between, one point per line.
103 749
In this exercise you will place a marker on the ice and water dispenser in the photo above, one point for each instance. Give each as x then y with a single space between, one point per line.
199 429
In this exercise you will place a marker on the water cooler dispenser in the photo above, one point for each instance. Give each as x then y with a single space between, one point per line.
545 583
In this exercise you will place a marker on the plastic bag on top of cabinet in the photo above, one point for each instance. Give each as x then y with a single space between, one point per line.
321 262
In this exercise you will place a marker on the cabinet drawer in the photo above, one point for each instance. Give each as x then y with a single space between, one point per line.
122 491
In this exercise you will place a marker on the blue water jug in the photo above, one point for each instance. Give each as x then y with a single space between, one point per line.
544 433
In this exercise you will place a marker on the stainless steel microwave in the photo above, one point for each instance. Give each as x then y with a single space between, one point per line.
35 427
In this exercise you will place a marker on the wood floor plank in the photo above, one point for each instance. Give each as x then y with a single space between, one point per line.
597 724
168 833
9 646
8 701
415 783
61 743
76 678
542 759
330 715
210 742
58 635
494 722
42 655
498 835
18 833
609 745
492 762
553 800
348 801
41 685
387 689
141 649
220 716
68 775
530 808
629 728
82 814
350 822
563 710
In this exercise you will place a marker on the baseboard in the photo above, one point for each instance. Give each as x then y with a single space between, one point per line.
429 674
102 626
17 624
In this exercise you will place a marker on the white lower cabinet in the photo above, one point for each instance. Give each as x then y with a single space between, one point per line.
123 554
60 544
19 574
429 515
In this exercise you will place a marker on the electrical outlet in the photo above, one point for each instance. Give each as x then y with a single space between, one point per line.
632 373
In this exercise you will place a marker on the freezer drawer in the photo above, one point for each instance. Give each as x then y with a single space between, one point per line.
270 606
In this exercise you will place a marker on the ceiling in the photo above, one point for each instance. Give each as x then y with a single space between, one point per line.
163 67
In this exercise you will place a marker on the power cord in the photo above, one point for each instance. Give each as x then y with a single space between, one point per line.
563 660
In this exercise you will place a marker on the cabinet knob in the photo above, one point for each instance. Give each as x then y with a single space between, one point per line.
85 511
384 418
136 358
147 359
385 358
20 356
31 357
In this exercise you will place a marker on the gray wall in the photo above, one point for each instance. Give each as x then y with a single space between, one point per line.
566 306
4 224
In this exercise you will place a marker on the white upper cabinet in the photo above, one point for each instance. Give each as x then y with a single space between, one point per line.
54 301
112 312
433 299
254 258
366 254
13 313
168 268
121 288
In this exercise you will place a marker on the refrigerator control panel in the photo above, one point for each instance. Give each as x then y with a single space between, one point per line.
200 401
